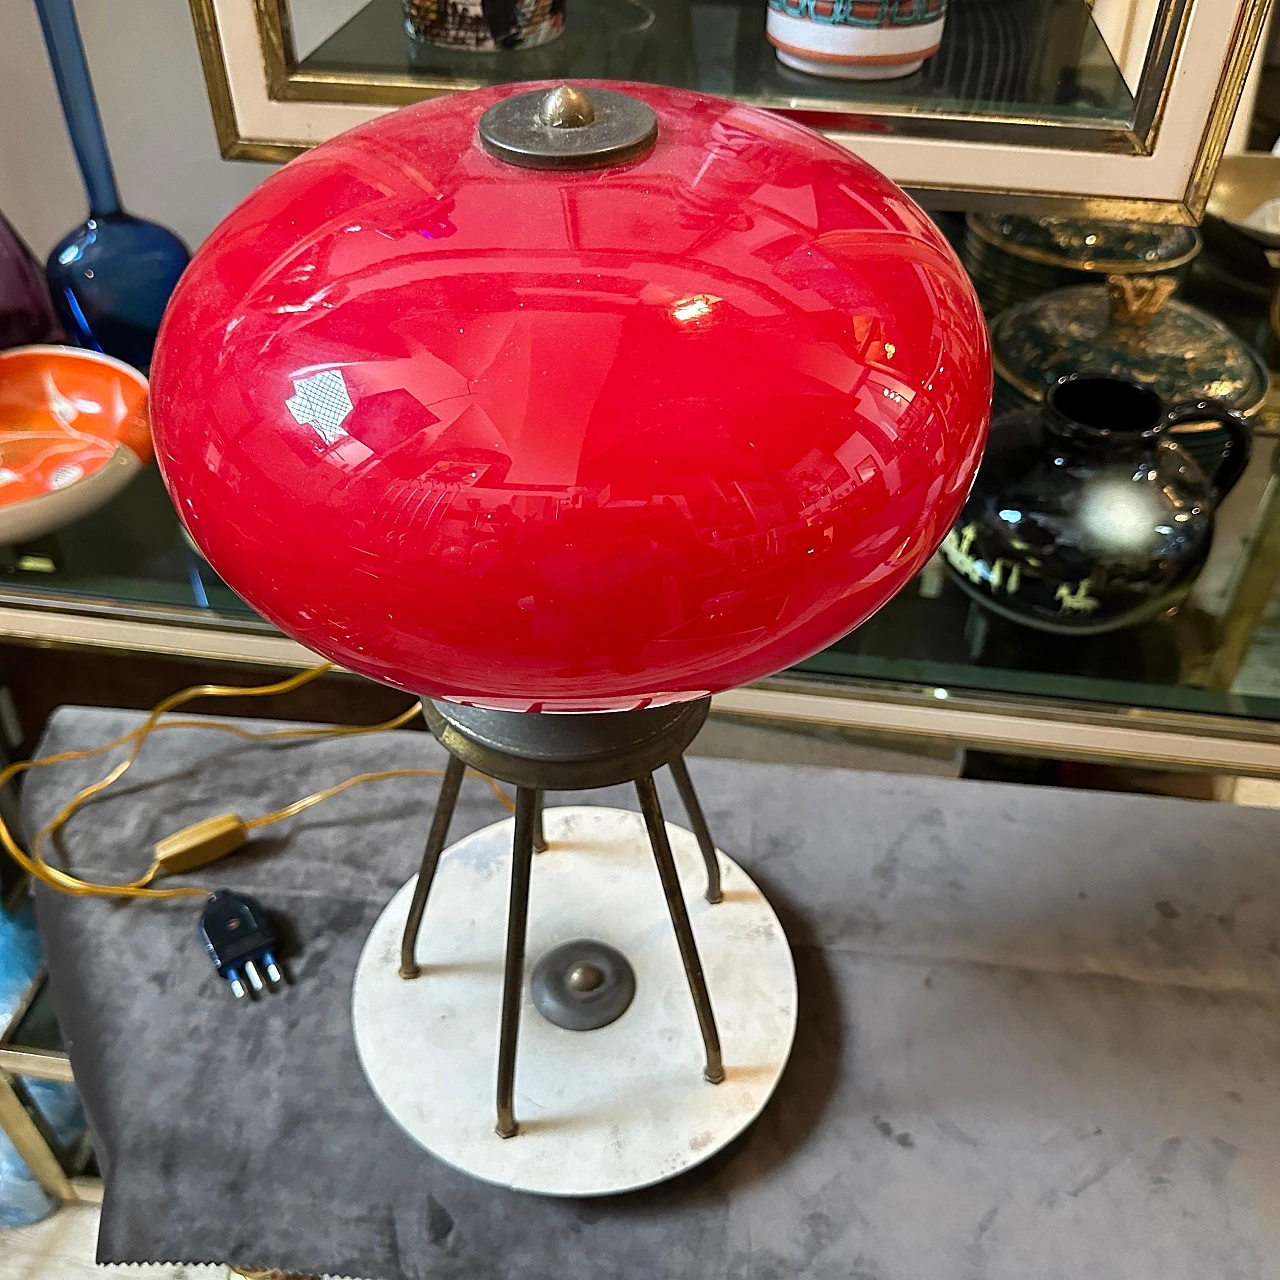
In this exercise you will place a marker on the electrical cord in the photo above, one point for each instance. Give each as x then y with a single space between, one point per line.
208 840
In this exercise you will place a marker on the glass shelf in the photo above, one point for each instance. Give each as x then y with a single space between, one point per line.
131 560
932 634
1002 59
132 551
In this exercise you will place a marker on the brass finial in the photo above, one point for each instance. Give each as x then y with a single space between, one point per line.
566 129
1135 300
567 108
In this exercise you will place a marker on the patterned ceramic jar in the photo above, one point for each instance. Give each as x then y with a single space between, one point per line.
484 26
855 39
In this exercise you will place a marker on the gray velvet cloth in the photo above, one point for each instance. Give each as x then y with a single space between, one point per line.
1039 1035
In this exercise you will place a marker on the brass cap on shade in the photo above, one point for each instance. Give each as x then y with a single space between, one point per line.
566 108
568 128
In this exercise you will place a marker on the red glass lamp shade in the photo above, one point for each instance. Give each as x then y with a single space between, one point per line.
571 440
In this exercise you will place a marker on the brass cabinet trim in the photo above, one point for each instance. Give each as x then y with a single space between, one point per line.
1249 25
227 129
1179 741
979 199
1163 51
156 634
30 1143
36 1064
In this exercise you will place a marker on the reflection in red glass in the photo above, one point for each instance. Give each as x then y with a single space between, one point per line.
572 441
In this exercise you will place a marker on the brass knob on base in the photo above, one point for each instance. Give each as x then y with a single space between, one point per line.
584 976
582 985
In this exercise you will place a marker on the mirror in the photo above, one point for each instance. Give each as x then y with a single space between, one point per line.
1002 67
1108 109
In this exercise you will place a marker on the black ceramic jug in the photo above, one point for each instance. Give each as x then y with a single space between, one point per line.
1086 515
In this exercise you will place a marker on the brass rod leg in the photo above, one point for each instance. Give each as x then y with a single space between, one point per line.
539 837
652 809
449 786
513 966
698 821
30 1143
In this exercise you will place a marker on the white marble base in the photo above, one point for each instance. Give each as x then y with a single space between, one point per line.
602 1111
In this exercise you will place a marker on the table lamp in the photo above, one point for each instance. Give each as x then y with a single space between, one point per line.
564 408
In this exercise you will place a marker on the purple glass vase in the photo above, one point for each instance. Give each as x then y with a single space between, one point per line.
26 313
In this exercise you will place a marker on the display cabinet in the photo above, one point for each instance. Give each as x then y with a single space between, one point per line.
1197 689
1117 109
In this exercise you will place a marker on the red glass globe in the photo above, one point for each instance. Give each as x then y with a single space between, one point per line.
577 440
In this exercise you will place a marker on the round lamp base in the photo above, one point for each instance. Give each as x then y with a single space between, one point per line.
602 1111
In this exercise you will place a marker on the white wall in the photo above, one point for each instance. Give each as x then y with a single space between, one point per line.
146 70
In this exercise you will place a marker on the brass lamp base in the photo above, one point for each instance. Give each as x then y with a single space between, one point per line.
567 752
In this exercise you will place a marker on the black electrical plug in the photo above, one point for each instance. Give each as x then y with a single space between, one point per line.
238 937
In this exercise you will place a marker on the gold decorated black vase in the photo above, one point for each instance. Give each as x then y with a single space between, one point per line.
1087 516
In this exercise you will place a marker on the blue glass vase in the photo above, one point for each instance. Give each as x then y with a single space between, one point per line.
111 277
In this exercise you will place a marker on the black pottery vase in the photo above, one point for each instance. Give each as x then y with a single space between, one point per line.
1086 515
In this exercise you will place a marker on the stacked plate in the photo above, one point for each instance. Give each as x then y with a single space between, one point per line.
1012 257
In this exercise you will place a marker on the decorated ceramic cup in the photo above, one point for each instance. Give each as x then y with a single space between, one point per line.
484 26
855 39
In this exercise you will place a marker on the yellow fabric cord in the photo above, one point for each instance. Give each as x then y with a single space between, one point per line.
198 844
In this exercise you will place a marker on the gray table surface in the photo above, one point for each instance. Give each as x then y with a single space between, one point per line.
1039 1035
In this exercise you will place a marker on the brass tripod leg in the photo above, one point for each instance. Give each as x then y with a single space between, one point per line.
449 786
539 839
652 809
513 966
698 821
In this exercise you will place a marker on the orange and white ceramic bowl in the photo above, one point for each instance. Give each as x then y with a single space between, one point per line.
73 432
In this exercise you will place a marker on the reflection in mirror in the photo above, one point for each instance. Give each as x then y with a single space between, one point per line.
1005 60
1264 125
314 21
1126 27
